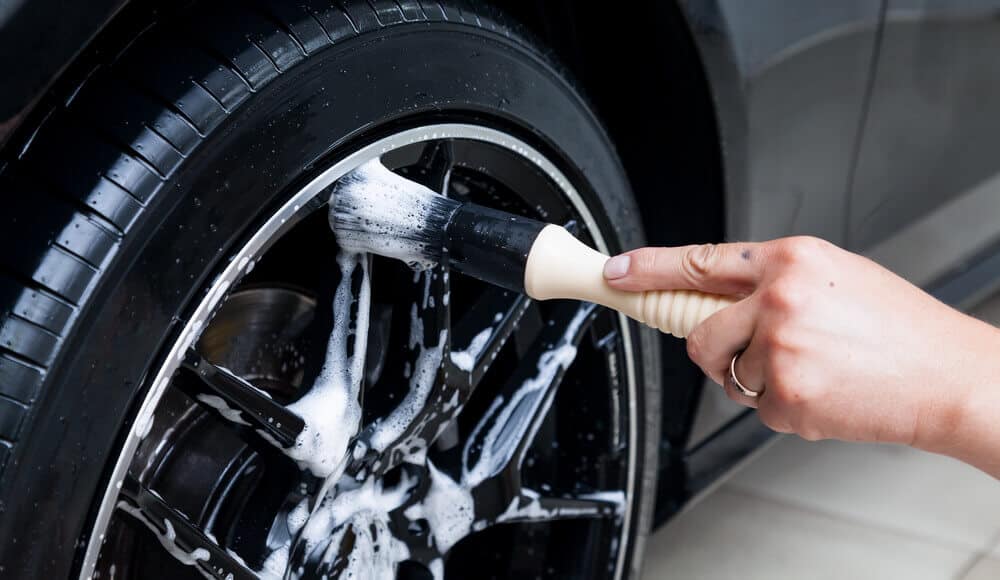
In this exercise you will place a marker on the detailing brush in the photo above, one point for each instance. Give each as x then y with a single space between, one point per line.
377 211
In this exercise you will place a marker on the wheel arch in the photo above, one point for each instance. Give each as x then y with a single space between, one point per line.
648 72
648 76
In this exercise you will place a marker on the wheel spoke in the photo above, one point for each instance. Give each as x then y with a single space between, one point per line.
337 532
482 331
240 402
335 554
179 536
433 169
531 506
498 442
426 408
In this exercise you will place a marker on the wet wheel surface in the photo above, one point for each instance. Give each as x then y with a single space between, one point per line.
290 410
364 418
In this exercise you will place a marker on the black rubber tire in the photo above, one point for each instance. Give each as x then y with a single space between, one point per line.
126 200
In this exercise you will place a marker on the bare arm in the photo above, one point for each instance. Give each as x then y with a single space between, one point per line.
838 346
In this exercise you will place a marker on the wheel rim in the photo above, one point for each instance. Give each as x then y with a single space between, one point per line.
439 480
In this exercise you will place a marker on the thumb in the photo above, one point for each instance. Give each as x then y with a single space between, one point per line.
716 268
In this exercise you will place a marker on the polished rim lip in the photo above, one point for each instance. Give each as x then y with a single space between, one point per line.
290 213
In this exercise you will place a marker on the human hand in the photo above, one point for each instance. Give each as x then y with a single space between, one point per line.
837 346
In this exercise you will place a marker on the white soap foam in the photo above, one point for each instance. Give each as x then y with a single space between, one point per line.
448 508
298 517
613 497
275 563
392 427
168 538
332 414
376 554
466 359
331 410
533 510
550 363
363 509
437 569
379 212
219 404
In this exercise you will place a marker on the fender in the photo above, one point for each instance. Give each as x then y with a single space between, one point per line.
38 38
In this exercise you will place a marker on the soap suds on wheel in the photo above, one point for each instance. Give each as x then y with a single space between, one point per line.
318 526
448 509
421 383
168 539
220 405
466 359
331 409
555 360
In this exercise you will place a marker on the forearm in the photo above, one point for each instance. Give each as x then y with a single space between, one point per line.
963 419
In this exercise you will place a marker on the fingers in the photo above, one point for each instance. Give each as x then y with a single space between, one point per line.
749 369
712 344
773 416
735 394
716 268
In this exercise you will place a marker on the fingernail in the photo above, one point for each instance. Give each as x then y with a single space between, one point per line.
617 267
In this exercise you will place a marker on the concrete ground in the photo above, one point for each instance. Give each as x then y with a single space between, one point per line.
837 510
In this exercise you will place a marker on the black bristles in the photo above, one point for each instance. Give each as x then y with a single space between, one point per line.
373 210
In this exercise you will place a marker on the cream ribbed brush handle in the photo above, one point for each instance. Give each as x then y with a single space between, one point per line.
560 266
677 312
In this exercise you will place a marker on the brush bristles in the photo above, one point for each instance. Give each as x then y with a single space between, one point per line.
373 210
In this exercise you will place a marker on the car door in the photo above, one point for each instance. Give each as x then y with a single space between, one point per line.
925 192
804 71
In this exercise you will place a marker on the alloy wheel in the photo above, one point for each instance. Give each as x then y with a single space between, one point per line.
321 414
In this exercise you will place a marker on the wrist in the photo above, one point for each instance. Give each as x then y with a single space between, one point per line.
960 414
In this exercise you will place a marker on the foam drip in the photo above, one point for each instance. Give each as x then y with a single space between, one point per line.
332 415
331 409
219 404
556 359
466 359
363 509
168 539
428 360
448 509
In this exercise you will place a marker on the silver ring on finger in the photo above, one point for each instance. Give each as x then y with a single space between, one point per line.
736 382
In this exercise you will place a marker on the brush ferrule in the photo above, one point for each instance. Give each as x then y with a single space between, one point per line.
490 245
